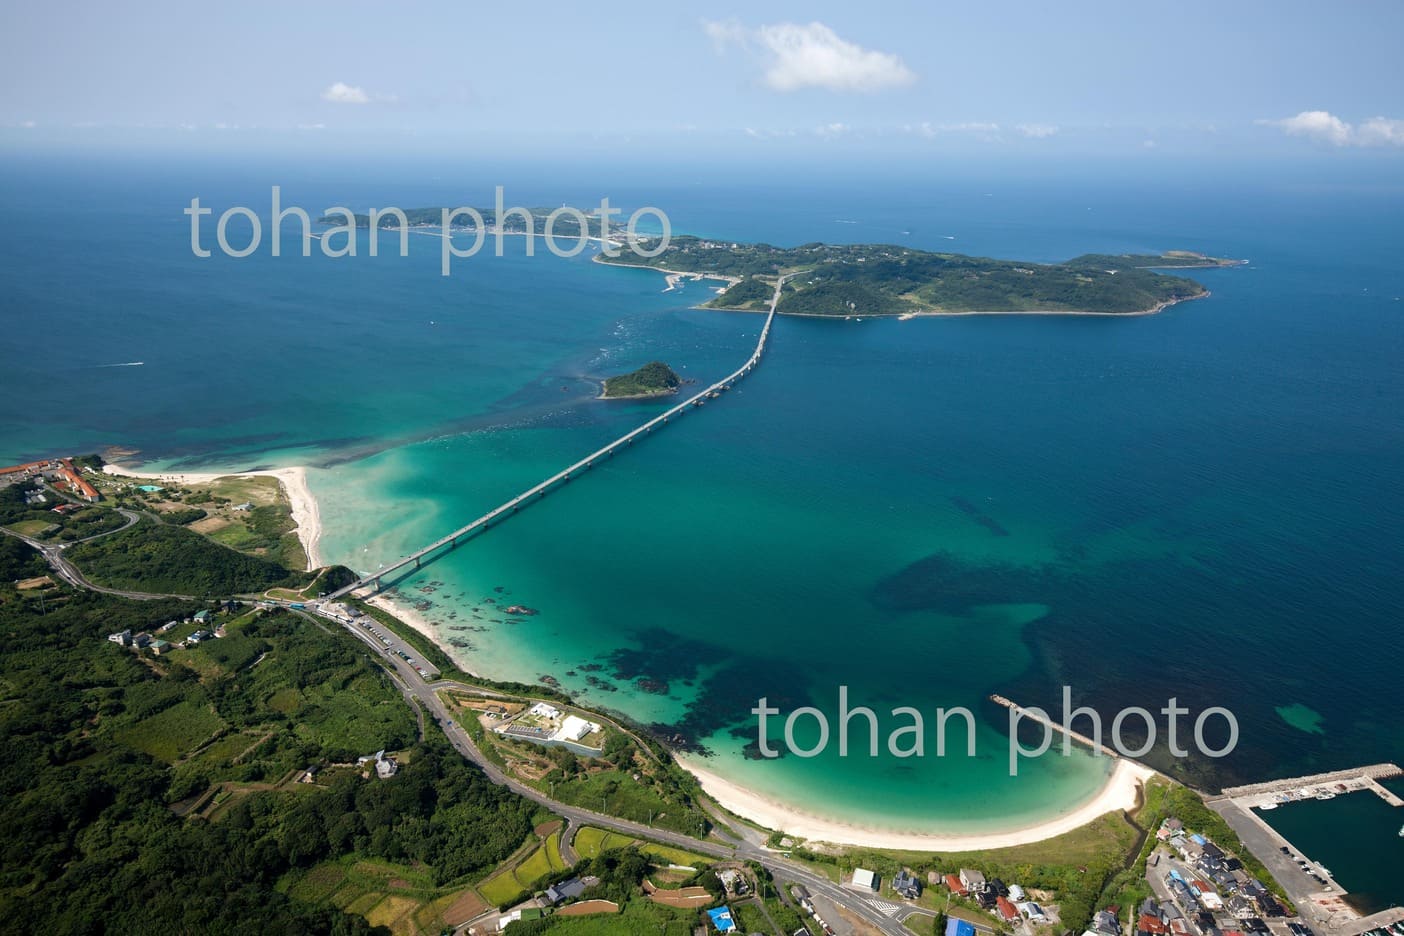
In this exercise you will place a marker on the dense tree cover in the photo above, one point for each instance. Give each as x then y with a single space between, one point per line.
88 843
750 293
879 279
653 378
18 561
169 559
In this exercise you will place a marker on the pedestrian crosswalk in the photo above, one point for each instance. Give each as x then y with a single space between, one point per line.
882 906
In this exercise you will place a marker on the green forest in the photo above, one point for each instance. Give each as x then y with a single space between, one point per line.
168 559
653 379
106 807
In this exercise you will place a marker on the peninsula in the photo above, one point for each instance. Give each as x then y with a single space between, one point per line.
652 380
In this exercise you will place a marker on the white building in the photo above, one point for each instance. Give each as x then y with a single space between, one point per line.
863 879
546 711
575 728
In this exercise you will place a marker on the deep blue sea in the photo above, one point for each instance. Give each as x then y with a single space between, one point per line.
1203 504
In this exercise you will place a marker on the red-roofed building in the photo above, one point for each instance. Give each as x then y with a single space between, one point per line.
1151 925
75 481
1006 910
956 887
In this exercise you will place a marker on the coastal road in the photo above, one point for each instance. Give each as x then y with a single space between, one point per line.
418 691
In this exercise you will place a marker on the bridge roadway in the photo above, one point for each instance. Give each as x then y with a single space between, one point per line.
451 541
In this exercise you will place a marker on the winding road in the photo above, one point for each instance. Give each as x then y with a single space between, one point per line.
885 915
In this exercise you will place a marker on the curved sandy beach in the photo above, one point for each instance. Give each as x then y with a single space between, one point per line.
293 481
1121 792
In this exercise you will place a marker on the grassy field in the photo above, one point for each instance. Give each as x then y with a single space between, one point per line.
543 861
398 897
639 918
31 528
170 734
521 875
590 841
671 855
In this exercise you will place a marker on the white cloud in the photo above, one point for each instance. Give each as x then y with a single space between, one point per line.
1038 131
1328 128
29 125
831 129
767 134
813 56
343 93
983 130
1381 131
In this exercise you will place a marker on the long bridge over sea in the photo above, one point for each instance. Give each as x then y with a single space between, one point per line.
447 543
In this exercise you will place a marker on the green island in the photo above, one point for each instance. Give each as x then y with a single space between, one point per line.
851 280
882 279
223 777
513 221
651 380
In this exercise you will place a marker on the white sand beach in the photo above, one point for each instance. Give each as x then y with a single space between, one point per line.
1120 792
294 484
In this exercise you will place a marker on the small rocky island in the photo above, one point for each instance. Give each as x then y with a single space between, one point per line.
651 380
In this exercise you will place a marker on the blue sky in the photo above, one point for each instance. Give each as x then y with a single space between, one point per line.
1033 77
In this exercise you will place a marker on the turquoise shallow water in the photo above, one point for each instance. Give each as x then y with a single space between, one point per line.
1201 504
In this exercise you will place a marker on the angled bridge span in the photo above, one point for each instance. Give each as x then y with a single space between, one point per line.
447 543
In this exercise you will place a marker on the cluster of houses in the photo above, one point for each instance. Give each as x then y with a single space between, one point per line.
148 641
61 472
1211 894
1009 902
1216 882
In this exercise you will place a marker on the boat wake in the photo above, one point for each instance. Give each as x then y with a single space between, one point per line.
127 364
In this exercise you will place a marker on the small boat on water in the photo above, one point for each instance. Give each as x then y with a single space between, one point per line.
1325 796
1266 806
1401 831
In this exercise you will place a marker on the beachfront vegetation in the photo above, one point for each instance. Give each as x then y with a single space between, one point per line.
143 793
869 279
653 379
